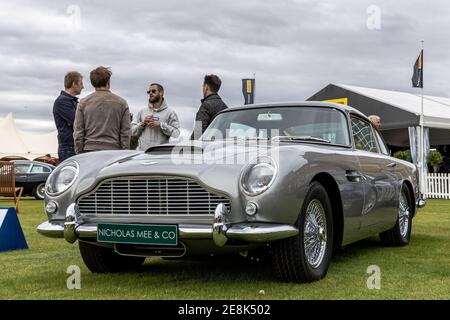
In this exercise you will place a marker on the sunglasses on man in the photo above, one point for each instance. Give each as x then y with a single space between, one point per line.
152 91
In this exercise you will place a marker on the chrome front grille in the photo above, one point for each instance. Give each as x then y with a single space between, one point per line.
152 196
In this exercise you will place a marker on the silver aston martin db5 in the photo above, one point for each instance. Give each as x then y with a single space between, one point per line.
300 179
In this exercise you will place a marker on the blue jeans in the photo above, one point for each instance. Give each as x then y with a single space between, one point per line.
65 152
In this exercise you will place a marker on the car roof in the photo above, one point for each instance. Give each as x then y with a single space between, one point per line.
34 162
322 104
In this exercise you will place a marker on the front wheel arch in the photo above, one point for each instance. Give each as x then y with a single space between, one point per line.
306 256
332 189
412 195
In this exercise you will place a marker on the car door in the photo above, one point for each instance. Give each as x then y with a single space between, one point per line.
378 176
21 170
393 170
38 174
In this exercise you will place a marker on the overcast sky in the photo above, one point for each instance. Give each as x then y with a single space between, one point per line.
294 47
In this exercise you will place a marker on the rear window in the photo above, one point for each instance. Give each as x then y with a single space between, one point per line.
21 168
39 169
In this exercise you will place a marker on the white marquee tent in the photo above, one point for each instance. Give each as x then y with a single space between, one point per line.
400 114
398 111
16 143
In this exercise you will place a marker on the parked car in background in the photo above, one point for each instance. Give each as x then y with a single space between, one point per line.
304 179
32 175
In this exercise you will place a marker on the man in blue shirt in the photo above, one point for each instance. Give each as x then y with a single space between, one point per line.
64 113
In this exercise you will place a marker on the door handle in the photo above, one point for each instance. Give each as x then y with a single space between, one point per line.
353 176
391 165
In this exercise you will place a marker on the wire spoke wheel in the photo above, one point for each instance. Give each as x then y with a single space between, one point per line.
400 234
403 215
315 233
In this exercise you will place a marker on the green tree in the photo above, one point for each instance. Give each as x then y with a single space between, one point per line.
435 160
403 155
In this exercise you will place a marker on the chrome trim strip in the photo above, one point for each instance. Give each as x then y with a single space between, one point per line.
219 232
244 232
260 233
51 229
219 225
192 232
71 224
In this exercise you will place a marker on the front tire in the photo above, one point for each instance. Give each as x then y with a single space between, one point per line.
400 234
39 191
105 260
306 256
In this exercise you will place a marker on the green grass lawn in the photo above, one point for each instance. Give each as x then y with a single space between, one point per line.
418 271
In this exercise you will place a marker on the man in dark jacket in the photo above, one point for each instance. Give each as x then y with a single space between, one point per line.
211 105
64 113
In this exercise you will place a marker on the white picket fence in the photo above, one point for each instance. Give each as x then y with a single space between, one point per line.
438 185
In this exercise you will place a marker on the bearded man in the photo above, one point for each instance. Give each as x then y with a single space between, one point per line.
156 123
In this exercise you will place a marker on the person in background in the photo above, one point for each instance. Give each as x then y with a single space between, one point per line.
50 160
156 123
102 120
64 110
211 105
376 121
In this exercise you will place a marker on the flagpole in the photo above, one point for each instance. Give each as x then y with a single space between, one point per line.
421 142
254 87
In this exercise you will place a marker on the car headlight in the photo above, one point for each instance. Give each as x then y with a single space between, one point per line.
62 178
258 175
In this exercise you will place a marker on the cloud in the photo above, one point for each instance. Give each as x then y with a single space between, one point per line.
294 47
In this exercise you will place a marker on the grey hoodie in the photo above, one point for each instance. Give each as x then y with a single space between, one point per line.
149 137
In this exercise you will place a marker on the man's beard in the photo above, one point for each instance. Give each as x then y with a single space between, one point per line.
154 99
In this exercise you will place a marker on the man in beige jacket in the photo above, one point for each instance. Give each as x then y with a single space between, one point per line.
102 119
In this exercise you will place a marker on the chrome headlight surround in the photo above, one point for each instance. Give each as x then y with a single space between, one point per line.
261 171
62 178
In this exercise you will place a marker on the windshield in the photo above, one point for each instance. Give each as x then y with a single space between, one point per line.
312 124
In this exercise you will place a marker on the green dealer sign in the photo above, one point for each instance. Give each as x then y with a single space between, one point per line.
166 235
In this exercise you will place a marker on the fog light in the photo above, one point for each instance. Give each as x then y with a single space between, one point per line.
251 208
51 207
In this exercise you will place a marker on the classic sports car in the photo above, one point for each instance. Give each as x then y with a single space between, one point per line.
299 178
32 175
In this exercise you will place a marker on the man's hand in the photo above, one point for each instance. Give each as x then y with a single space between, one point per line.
154 123
147 119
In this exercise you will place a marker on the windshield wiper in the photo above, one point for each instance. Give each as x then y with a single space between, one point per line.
299 138
245 138
237 139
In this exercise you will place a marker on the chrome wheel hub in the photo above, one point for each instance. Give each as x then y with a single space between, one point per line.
403 215
321 235
41 191
315 233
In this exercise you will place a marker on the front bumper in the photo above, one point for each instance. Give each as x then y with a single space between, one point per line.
220 231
